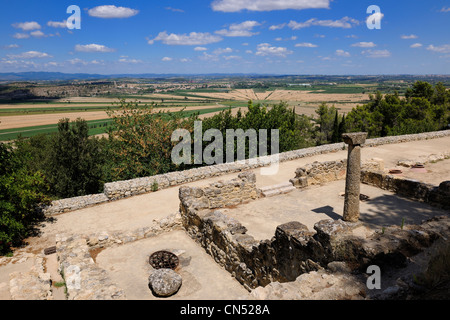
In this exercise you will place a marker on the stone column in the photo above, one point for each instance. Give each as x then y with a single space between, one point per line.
352 183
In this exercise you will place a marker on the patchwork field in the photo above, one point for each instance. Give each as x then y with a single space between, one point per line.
33 117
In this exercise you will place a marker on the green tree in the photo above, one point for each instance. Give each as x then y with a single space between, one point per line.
420 89
140 141
74 167
22 193
325 122
336 137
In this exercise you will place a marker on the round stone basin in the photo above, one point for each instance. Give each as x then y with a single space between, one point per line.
164 260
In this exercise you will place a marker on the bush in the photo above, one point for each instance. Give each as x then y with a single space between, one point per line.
70 160
140 141
22 193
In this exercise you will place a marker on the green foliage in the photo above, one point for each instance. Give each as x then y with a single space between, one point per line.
22 192
155 186
423 109
140 141
326 124
70 160
75 161
295 131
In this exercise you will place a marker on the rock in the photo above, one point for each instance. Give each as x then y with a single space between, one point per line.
338 267
164 282
93 241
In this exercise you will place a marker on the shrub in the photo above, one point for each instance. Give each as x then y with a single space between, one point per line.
22 193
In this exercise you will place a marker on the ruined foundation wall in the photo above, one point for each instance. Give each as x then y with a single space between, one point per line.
413 189
322 172
294 249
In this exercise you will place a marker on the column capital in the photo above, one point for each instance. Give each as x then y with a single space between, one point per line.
355 138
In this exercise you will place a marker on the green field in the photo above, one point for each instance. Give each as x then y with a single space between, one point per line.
95 126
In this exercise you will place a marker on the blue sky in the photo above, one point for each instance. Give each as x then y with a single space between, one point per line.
226 36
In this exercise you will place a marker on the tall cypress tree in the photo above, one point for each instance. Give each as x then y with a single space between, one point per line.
335 137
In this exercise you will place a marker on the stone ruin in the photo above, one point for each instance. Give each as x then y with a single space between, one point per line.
288 264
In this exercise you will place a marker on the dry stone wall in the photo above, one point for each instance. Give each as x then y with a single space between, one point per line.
323 172
127 188
413 189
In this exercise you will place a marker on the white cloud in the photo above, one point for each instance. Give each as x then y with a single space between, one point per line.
245 44
211 57
185 60
111 11
222 50
268 5
27 26
342 53
78 61
232 57
265 49
352 36
11 46
174 9
243 29
441 49
200 49
445 9
37 34
21 36
166 59
306 45
57 24
54 64
193 38
248 51
278 39
30 55
345 22
377 53
364 44
411 36
277 26
125 60
92 48
416 45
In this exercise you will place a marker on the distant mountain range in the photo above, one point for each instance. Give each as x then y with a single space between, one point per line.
59 76
55 76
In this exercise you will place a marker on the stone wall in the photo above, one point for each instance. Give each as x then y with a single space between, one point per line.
413 189
323 172
294 249
127 188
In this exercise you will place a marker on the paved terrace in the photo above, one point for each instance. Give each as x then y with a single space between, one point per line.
261 218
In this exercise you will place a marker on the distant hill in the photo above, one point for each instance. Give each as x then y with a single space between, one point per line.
59 76
54 76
